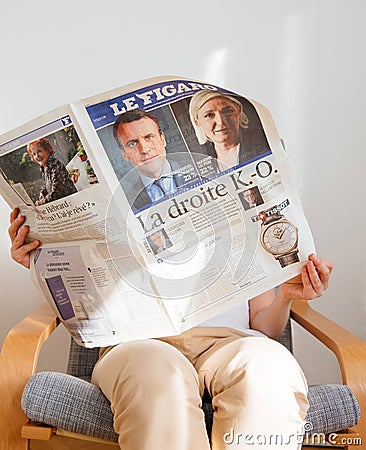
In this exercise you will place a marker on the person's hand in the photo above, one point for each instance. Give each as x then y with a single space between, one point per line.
311 282
20 250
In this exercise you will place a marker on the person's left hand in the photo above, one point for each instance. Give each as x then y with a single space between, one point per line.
311 282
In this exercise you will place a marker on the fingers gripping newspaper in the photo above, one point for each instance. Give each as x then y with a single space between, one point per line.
158 205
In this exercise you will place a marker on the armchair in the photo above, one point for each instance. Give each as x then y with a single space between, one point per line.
66 411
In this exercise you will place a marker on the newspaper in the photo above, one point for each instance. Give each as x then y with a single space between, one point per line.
158 205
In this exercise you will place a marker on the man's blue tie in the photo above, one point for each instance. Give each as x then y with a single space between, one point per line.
159 184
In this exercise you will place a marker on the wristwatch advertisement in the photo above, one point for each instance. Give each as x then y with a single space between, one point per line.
279 237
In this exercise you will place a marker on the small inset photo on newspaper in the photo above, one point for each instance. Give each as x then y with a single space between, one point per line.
159 241
250 198
47 167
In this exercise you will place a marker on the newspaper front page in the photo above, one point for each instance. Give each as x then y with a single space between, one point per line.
159 205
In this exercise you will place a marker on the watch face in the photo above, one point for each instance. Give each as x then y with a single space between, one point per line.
279 237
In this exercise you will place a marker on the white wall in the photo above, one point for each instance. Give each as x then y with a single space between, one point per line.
303 59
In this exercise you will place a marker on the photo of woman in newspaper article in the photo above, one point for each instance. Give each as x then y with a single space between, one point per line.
228 132
57 180
47 167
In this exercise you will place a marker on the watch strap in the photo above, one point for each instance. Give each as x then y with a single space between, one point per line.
290 258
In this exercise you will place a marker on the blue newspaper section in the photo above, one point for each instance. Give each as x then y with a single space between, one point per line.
45 130
148 98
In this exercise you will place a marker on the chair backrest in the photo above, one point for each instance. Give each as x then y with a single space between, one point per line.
82 360
286 336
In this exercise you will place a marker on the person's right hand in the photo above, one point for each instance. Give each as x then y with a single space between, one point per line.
20 251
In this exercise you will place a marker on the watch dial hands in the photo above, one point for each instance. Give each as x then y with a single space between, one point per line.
278 232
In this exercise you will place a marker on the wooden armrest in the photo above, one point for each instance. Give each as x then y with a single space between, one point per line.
348 348
18 361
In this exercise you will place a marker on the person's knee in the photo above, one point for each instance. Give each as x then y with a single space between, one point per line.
264 361
269 352
145 365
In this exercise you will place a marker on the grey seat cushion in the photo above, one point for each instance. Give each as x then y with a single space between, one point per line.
333 407
73 404
70 403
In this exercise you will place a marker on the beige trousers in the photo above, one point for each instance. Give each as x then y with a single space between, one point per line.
259 393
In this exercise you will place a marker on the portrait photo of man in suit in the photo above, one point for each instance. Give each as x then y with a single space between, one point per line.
159 241
142 143
251 198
